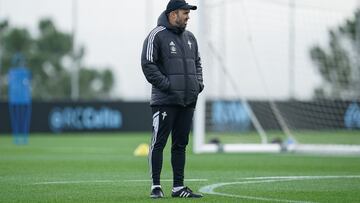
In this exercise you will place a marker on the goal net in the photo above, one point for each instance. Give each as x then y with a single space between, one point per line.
279 76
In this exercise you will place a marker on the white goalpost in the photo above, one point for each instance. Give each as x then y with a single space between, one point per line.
199 117
260 82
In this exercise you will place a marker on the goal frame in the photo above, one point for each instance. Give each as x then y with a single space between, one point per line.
200 146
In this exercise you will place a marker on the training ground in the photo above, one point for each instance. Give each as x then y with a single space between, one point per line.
102 168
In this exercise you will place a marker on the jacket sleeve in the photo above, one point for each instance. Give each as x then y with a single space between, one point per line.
149 58
199 73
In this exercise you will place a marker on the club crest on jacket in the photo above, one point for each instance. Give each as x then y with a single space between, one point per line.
189 43
172 47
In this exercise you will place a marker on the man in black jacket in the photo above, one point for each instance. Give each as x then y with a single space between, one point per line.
171 63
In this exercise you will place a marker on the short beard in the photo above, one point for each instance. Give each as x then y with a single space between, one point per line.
179 24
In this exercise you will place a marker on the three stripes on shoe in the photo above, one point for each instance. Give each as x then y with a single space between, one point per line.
184 194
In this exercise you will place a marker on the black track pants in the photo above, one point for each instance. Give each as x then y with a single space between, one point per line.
166 120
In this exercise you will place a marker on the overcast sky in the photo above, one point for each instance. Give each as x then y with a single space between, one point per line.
252 36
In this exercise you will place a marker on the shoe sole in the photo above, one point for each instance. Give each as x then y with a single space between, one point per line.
155 197
185 197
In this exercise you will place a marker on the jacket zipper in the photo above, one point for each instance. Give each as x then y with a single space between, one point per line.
185 68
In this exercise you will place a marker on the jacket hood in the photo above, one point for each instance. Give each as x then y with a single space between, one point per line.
163 21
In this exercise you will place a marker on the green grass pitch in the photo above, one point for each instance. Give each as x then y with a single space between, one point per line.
102 168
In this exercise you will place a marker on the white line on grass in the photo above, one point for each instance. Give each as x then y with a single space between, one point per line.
298 177
209 189
74 182
107 181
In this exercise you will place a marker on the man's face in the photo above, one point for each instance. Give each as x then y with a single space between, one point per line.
182 16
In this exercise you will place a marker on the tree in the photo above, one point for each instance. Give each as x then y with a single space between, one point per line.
49 57
338 64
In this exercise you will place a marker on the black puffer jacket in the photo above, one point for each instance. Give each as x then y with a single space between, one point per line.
171 63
